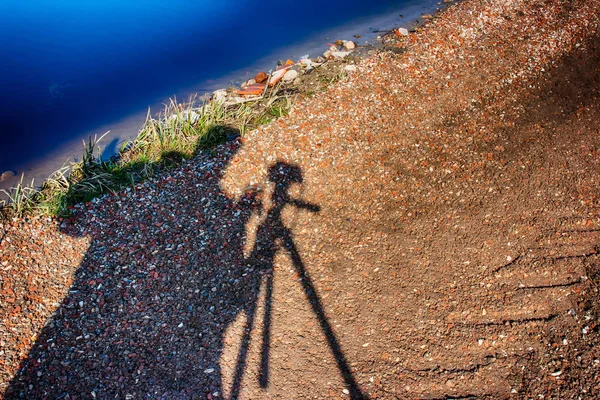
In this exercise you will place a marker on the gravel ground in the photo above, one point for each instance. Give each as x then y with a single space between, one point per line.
426 228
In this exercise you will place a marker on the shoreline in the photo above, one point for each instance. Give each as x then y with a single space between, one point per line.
127 128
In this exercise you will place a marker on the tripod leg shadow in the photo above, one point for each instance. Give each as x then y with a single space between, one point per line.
315 302
266 339
244 348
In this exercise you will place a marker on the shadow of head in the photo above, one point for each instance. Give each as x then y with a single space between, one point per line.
284 174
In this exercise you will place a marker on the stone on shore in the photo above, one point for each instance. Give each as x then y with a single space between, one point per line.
6 175
290 76
328 53
349 45
249 82
340 54
306 63
219 95
402 31
261 77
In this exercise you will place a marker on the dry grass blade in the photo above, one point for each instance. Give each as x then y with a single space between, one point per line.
21 198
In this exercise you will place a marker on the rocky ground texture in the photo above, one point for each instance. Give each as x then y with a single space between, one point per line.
426 228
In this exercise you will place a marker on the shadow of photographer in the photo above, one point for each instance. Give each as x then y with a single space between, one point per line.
164 277
273 236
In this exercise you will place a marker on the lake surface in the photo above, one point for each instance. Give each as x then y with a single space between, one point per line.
73 67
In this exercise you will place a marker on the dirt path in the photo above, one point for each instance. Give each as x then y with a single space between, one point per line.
427 228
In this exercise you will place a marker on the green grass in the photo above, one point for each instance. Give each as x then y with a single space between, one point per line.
175 135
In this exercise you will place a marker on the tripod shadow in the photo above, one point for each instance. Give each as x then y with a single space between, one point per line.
164 277
273 236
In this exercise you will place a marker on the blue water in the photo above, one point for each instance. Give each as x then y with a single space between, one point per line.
68 66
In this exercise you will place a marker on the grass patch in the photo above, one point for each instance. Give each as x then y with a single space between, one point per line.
20 198
321 78
176 134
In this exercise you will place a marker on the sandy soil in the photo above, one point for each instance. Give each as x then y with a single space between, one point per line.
427 228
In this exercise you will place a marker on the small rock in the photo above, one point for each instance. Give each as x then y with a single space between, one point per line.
328 53
357 36
6 175
349 45
261 77
427 16
340 54
290 75
350 68
402 31
209 370
248 83
306 63
219 95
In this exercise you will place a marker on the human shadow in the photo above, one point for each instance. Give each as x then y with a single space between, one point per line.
273 236
163 278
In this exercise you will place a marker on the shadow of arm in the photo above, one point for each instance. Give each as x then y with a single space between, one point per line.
306 206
